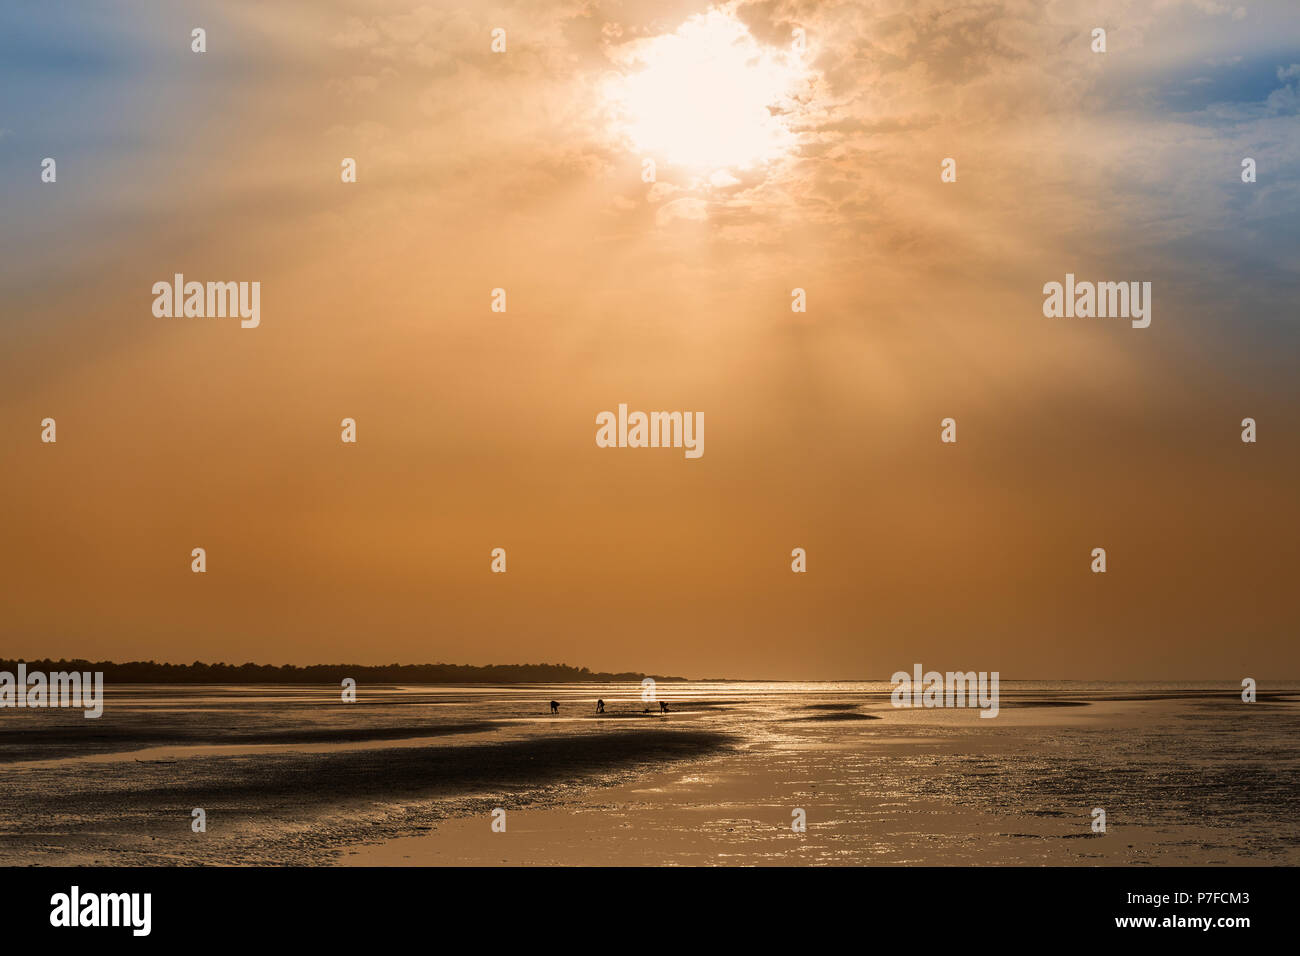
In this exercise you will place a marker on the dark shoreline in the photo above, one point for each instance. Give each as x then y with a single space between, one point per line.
153 672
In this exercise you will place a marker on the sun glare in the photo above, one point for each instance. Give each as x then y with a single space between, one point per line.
707 97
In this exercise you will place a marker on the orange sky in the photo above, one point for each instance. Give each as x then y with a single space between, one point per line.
476 429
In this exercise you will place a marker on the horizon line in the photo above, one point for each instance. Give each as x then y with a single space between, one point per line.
594 674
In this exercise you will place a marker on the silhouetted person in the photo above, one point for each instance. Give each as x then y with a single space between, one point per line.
600 706
555 706
663 706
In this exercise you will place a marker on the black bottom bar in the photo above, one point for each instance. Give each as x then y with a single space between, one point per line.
637 907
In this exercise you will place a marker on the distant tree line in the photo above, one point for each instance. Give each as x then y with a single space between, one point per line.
151 672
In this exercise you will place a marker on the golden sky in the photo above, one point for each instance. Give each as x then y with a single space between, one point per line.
774 170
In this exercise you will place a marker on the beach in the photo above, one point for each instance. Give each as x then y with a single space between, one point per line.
1185 774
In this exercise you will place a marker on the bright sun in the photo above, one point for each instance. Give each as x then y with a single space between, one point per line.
707 97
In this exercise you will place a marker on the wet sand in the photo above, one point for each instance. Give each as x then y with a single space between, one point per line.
299 807
738 809
412 775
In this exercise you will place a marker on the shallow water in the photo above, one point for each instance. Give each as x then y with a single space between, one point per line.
293 774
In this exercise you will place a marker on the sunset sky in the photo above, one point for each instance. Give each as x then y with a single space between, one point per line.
522 170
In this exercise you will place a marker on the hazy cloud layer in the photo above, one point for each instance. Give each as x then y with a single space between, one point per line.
478 171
